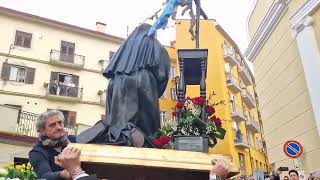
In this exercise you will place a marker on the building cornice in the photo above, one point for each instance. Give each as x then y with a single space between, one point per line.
269 23
301 18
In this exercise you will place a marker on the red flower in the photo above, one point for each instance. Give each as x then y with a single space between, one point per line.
180 105
164 139
217 122
210 110
174 113
198 101
157 143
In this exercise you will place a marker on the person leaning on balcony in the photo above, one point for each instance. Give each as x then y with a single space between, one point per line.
53 87
70 160
51 141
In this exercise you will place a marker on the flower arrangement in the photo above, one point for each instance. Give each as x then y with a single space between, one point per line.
18 172
191 124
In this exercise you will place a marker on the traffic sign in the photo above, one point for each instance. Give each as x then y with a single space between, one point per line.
293 149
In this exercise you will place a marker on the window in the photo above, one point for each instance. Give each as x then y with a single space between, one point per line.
163 117
257 164
242 164
67 51
23 39
173 93
18 74
233 103
11 72
68 85
249 139
172 73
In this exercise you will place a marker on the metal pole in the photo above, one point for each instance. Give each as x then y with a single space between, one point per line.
198 8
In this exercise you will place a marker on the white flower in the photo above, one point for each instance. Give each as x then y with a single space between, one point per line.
3 172
2 178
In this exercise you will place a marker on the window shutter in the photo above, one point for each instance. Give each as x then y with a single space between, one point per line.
75 80
54 75
5 73
30 75
27 42
18 41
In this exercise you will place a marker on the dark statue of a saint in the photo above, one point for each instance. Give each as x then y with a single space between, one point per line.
138 74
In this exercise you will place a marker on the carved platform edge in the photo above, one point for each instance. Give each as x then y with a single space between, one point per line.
148 157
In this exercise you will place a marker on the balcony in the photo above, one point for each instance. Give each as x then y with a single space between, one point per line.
237 113
252 124
27 125
233 84
248 99
67 60
64 93
245 76
241 140
230 56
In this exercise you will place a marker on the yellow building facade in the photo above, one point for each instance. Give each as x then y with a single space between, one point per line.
284 49
35 51
229 77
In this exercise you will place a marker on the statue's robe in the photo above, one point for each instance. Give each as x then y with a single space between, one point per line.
138 74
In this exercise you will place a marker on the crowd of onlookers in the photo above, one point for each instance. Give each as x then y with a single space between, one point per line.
64 88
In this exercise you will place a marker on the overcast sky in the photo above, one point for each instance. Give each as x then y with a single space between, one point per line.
118 14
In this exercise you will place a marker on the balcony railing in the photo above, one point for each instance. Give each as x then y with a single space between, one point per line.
233 83
241 140
62 92
252 124
248 99
70 60
237 113
27 125
245 76
230 56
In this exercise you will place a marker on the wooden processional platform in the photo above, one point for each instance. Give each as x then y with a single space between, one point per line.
130 163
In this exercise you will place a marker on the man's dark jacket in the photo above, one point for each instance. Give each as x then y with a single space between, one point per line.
42 160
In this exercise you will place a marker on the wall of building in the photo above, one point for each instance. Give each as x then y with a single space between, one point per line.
213 40
283 95
45 37
9 151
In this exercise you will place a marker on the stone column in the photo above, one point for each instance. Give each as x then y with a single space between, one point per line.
310 57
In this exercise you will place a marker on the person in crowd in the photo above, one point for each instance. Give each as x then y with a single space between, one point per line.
314 176
293 175
69 159
51 141
71 89
53 87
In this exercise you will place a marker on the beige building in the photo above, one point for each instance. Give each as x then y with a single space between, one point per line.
34 52
284 50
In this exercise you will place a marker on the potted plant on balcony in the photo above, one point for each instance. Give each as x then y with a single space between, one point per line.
194 134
